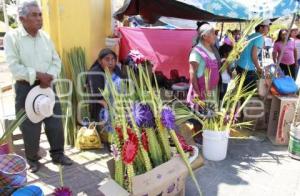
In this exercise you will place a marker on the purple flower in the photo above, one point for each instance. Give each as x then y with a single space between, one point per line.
62 191
168 118
235 118
143 115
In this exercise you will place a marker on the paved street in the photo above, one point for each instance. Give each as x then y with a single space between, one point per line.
252 168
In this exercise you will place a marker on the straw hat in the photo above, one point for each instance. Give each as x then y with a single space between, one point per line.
39 104
266 22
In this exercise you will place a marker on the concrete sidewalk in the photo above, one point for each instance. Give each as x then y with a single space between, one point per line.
252 168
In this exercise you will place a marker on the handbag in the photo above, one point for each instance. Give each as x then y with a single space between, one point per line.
88 138
285 85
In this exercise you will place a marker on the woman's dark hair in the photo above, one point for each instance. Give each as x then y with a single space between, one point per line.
102 54
200 23
224 49
258 27
279 35
106 51
298 36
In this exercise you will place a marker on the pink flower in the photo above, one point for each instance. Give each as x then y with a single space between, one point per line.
62 191
137 57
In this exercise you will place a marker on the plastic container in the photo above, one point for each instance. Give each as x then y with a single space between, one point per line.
12 173
215 144
30 190
294 143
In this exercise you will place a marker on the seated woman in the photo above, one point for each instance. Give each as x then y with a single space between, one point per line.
96 80
204 58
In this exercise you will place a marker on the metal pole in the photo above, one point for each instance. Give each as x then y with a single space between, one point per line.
221 34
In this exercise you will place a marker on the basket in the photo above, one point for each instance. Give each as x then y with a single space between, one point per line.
12 173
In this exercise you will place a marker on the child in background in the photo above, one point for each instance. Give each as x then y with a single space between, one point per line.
224 51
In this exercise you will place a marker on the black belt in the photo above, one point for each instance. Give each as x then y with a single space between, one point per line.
36 82
238 68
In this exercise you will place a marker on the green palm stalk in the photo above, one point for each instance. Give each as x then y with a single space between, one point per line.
168 120
185 159
155 150
76 58
144 153
69 121
240 45
20 118
157 106
119 165
164 139
130 175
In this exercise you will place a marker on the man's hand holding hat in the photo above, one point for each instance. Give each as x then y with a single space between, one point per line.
45 79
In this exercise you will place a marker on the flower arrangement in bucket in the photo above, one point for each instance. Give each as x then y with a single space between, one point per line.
217 121
142 128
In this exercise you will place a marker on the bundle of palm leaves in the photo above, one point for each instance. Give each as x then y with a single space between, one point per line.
74 73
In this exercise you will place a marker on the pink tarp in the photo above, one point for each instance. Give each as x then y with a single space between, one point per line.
167 49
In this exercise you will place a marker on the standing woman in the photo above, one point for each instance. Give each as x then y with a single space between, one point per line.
288 63
204 56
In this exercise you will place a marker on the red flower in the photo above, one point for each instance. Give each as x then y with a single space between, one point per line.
119 132
145 141
132 137
184 145
129 152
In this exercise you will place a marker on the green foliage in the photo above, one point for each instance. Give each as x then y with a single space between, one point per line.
20 118
158 138
76 61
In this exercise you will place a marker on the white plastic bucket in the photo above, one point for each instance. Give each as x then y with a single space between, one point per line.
215 144
294 142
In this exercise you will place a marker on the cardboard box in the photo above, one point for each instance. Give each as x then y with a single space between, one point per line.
258 112
166 179
281 116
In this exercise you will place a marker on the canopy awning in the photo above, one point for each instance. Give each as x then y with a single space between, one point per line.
152 10
217 10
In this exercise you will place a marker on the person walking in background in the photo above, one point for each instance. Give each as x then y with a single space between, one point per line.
248 62
224 51
268 46
288 62
294 32
33 61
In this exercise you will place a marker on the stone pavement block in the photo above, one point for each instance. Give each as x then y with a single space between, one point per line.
77 179
252 167
94 167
